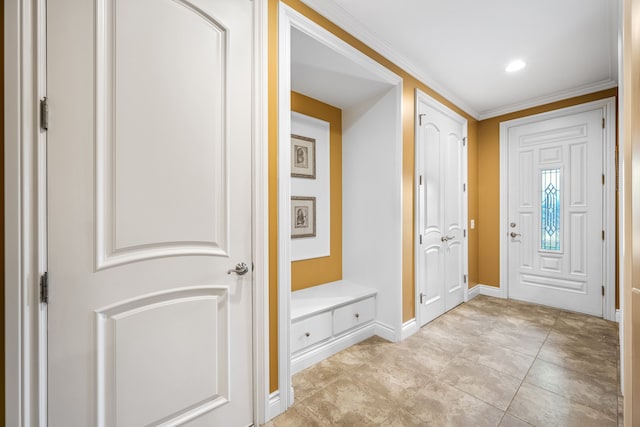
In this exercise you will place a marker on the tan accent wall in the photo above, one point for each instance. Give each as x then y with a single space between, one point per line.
312 272
272 67
409 84
488 224
472 212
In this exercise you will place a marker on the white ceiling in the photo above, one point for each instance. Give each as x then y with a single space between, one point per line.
460 48
324 74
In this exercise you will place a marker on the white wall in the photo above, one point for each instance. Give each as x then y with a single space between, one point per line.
320 245
372 201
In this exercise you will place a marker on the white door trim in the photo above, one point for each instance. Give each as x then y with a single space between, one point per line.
608 106
260 214
420 96
289 18
25 214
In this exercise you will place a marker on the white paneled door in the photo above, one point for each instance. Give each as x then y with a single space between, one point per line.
441 216
555 221
149 206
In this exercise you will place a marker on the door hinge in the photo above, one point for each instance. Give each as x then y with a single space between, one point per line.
602 179
603 122
44 288
422 298
464 187
464 233
464 278
420 179
44 113
464 141
420 116
603 291
421 239
602 234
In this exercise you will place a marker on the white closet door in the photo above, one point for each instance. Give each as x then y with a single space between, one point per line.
149 205
441 260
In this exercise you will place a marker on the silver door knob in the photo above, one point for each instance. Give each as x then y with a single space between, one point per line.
514 234
240 269
447 238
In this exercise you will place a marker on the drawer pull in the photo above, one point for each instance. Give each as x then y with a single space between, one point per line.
357 315
307 334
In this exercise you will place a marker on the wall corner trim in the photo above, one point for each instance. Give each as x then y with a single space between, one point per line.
490 291
409 328
385 331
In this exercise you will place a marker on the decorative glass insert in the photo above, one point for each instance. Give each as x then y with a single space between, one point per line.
550 210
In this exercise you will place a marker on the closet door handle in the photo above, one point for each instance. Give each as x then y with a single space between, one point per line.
240 269
447 238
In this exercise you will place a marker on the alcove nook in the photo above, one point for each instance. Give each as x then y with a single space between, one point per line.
341 282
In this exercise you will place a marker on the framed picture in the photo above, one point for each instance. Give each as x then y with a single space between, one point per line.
303 157
303 217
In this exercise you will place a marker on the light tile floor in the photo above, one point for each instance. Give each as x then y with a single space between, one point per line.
488 362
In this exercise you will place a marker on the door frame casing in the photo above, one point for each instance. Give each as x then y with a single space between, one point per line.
25 213
25 245
420 96
608 106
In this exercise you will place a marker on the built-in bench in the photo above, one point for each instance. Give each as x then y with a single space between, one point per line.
328 318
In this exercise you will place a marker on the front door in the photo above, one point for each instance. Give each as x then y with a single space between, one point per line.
555 212
149 206
441 262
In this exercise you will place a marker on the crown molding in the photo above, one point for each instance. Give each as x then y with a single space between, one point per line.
336 14
547 99
339 16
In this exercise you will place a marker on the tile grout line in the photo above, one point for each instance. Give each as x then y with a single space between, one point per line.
560 366
529 370
504 412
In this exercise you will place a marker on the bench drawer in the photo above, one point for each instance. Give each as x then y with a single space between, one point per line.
352 315
311 330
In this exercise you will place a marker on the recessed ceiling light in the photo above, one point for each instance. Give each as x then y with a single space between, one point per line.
515 66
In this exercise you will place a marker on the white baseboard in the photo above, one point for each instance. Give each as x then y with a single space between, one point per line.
385 331
618 314
327 349
490 291
275 406
409 328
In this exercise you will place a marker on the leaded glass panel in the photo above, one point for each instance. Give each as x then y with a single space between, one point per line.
550 210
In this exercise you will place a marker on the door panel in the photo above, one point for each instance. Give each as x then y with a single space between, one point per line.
441 201
187 125
149 205
145 354
433 301
453 216
454 266
555 212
